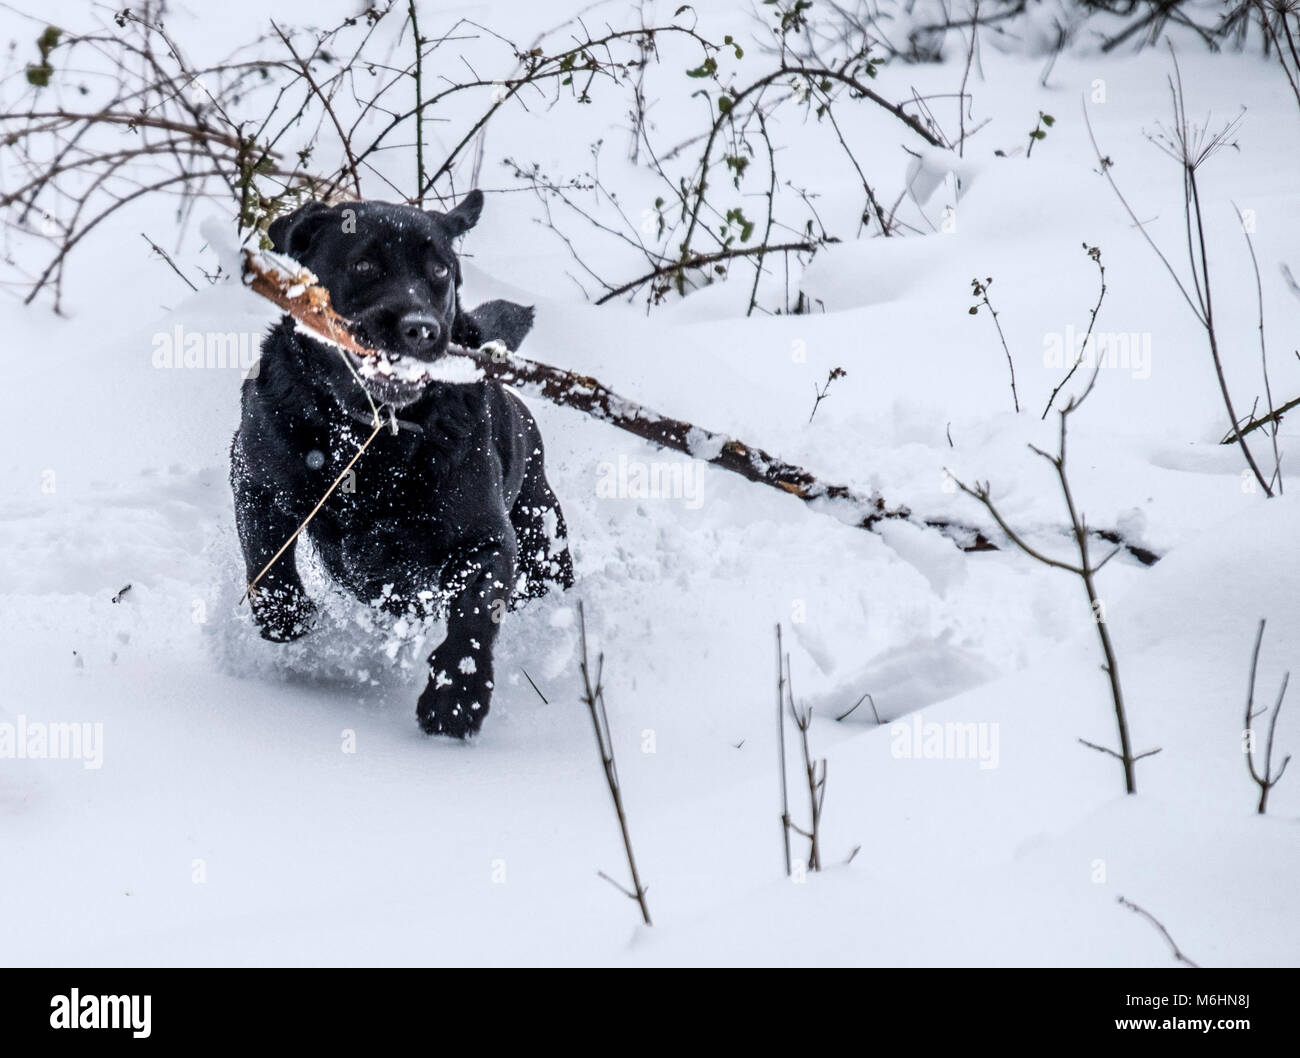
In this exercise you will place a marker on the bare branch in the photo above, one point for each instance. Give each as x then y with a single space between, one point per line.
1144 913
1265 780
593 695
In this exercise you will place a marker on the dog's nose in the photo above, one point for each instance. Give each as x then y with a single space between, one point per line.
418 333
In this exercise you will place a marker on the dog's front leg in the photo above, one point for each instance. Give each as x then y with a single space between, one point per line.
477 582
281 607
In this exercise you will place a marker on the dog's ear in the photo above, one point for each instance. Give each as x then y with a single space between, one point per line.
500 321
465 215
293 233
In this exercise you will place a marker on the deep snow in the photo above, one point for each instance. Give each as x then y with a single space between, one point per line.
230 823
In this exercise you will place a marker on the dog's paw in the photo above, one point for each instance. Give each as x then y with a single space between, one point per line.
442 711
455 702
282 616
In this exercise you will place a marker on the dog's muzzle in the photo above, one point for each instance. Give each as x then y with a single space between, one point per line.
420 335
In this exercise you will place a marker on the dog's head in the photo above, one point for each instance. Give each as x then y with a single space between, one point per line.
392 272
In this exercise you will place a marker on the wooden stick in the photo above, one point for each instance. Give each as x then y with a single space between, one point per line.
297 290
294 289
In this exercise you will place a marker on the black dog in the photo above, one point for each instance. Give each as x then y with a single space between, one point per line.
454 508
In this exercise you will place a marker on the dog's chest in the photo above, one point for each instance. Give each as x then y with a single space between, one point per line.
395 477
392 511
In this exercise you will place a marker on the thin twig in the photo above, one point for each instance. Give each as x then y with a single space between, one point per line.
534 686
981 290
1267 780
170 263
1173 947
865 698
418 77
1086 571
780 747
1094 252
1263 354
1274 416
593 695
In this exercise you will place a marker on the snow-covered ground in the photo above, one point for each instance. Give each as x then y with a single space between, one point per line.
260 804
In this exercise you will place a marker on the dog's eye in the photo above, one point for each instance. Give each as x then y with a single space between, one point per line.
364 266
440 271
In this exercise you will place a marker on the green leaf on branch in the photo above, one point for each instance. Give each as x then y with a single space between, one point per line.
49 40
39 73
737 216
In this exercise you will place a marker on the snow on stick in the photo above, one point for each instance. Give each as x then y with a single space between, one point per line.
294 289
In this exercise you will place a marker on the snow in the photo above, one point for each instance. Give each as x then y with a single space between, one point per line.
451 369
266 804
